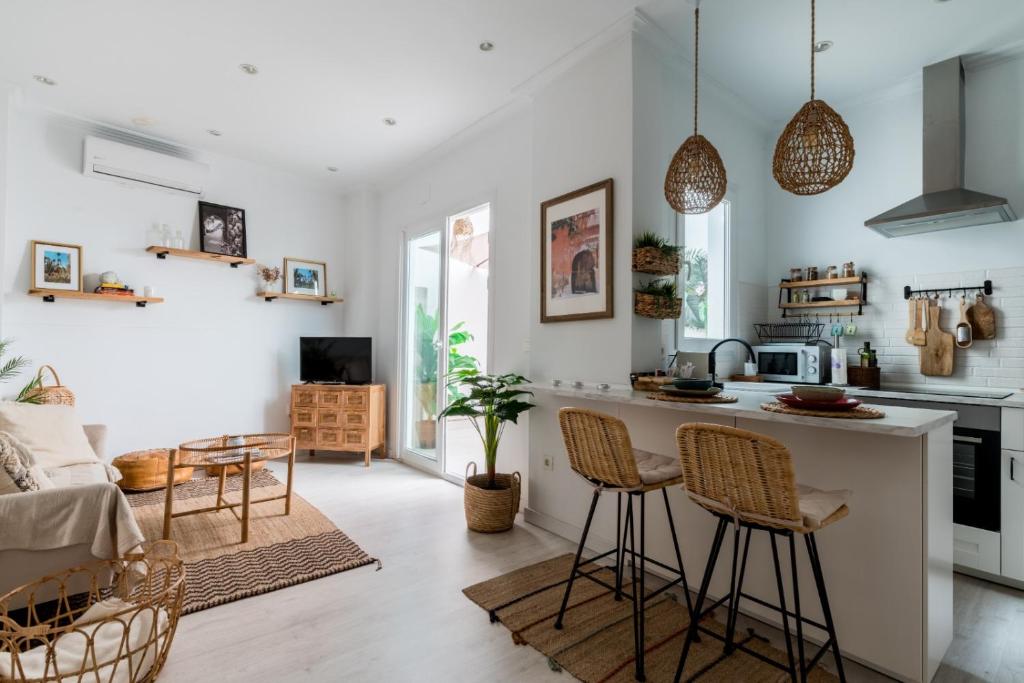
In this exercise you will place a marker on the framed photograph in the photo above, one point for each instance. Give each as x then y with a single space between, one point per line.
305 277
576 255
56 266
221 230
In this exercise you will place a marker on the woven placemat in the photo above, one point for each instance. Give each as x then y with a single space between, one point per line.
720 398
858 413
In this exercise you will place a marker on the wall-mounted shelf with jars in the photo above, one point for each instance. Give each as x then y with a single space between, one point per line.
799 294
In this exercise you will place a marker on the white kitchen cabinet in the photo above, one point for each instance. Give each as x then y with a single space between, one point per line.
1012 429
1012 503
976 548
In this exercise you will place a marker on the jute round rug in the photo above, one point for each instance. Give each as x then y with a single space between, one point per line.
282 550
596 643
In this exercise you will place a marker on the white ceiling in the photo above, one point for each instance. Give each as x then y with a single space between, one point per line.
330 70
760 49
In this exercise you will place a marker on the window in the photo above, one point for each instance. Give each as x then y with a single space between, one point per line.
704 274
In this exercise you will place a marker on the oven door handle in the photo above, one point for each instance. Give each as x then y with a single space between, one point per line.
968 439
1013 460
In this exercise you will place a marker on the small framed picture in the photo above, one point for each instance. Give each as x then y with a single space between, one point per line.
305 277
56 266
221 230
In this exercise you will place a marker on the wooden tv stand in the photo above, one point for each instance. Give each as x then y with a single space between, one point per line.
340 417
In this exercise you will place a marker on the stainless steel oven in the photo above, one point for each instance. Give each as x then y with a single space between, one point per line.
798 363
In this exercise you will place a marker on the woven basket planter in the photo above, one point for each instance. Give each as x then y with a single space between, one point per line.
655 261
491 510
658 307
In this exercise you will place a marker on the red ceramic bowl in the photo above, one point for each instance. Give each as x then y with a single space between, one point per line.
844 403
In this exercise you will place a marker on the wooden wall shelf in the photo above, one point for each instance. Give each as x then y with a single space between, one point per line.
834 282
823 304
786 288
233 261
50 296
324 300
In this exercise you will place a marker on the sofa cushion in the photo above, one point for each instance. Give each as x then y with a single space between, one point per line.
81 474
14 475
53 434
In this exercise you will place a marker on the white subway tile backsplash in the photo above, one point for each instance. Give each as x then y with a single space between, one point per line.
993 363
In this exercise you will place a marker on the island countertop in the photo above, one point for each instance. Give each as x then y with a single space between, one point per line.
898 421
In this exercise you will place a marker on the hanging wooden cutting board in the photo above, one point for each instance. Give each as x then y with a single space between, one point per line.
982 319
937 353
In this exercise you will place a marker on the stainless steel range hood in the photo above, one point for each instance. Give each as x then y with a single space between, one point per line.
945 204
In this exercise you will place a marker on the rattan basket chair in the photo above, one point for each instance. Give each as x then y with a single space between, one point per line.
112 621
600 451
748 479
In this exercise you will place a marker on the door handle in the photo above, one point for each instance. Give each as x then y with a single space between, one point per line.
1012 461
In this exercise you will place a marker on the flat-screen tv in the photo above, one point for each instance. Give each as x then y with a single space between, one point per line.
336 360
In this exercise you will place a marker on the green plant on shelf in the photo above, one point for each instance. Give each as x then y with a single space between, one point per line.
648 239
665 288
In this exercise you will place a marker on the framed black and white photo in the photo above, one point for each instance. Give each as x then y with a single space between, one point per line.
56 266
304 277
221 230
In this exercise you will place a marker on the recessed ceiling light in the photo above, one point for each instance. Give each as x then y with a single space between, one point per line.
390 122
486 46
332 169
214 132
45 80
822 45
143 121
249 69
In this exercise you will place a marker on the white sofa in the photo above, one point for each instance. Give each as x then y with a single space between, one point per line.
79 492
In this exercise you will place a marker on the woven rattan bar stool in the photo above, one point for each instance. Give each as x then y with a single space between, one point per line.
748 479
600 451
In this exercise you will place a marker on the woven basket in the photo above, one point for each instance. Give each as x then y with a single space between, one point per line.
655 261
147 470
147 590
491 510
659 307
56 395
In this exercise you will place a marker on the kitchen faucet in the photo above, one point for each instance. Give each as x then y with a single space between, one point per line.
711 354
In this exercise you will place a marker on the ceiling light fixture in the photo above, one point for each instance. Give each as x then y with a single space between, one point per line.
45 80
143 121
486 46
822 45
249 69
390 122
696 180
214 132
815 151
332 169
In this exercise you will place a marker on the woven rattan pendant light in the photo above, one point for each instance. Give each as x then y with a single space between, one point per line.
695 182
815 151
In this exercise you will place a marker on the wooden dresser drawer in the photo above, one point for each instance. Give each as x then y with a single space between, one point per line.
329 398
354 438
352 420
305 437
356 400
328 438
303 397
328 418
303 416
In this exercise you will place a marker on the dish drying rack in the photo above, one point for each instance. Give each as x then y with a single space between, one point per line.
776 332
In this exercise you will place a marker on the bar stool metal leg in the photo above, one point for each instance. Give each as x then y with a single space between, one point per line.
702 594
796 608
734 604
576 562
640 594
819 579
679 555
782 606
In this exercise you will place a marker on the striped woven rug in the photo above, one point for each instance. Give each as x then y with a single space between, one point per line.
596 642
282 550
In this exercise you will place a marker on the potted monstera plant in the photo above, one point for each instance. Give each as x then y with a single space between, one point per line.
490 402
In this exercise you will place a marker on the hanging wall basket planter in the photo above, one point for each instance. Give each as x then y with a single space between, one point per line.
655 261
658 307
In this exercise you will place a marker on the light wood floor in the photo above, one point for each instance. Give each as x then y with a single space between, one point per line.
410 621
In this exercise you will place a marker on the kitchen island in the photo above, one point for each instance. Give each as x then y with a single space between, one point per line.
888 565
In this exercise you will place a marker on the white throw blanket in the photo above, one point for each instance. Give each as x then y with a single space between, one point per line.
102 648
95 514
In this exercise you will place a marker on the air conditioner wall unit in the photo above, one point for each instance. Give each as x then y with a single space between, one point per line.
130 165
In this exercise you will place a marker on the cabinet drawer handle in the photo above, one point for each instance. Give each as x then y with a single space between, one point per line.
1012 462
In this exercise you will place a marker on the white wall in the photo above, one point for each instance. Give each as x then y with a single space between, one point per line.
828 229
488 163
212 359
663 118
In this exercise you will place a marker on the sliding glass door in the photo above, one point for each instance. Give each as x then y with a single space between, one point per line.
445 329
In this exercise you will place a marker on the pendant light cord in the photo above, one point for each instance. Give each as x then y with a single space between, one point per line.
812 49
696 59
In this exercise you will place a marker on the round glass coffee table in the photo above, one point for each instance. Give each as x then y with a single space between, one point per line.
224 451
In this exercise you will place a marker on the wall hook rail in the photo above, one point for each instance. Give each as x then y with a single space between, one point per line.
986 288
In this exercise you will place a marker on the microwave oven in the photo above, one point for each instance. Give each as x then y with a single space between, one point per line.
797 363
